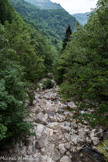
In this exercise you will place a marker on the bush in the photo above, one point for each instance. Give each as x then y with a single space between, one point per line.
48 83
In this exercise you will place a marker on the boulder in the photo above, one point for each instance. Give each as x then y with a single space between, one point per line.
71 105
41 118
39 130
62 148
65 159
67 146
42 141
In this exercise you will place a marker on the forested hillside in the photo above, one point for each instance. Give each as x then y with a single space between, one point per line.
52 23
45 4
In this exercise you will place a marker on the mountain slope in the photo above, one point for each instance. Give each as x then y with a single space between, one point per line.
52 23
82 17
45 4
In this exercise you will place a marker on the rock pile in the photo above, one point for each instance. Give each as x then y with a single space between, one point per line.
58 134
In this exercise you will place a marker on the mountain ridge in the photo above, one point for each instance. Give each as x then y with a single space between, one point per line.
82 17
53 23
44 4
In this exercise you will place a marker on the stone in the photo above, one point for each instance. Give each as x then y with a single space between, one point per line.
39 130
43 150
56 155
66 129
67 136
50 95
68 124
60 118
81 132
67 146
41 142
33 148
62 148
74 125
65 159
49 131
96 141
24 149
75 139
88 140
54 125
41 118
29 151
71 105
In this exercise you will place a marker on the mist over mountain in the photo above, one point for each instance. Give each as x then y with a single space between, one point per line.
45 4
82 17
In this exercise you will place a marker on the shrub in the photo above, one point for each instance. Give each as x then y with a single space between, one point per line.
48 83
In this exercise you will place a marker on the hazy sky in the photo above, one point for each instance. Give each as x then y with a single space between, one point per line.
77 6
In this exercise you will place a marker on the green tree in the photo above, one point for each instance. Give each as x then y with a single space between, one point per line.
13 110
67 36
6 11
85 63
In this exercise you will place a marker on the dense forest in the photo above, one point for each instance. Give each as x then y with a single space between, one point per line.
28 52
45 4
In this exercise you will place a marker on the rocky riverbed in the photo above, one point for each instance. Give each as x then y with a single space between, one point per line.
59 137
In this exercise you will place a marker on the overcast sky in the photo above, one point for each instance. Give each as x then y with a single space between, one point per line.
77 6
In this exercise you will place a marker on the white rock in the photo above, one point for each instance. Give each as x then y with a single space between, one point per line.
67 145
39 130
62 148
67 124
42 118
66 128
54 125
96 141
88 140
42 141
72 105
43 150
60 118
74 125
81 132
50 95
92 135
67 136
24 149
65 159
75 139
49 131
29 151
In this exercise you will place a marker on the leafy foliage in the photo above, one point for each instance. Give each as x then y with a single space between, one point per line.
48 83
67 36
13 111
6 11
45 4
84 65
